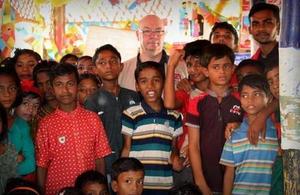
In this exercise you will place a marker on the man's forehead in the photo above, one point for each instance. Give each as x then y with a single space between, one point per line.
151 21
263 15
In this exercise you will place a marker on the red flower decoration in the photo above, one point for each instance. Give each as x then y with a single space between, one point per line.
27 86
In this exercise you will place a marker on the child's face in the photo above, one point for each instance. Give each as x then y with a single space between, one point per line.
24 66
44 86
108 66
247 70
85 66
223 36
86 88
253 100
194 69
129 183
273 80
8 91
94 188
150 85
65 89
28 108
219 71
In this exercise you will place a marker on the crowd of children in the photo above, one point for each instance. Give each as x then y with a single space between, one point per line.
69 127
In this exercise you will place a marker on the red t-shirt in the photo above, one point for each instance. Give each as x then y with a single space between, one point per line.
68 144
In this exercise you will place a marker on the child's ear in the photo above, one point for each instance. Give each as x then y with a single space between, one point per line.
250 30
205 71
121 67
278 28
114 186
270 98
137 87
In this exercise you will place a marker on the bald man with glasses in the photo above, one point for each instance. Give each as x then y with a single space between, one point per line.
150 34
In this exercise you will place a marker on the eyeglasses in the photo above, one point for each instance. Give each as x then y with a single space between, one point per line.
148 32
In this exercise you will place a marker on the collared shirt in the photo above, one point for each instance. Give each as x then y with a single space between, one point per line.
211 117
151 141
271 58
68 144
109 109
126 77
253 163
184 97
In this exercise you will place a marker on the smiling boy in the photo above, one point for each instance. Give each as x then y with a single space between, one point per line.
150 131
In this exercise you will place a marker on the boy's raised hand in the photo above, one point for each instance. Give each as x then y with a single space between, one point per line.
175 57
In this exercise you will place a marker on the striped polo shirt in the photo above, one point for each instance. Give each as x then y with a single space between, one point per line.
151 141
253 164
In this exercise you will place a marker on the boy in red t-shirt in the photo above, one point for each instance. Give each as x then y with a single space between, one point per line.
178 99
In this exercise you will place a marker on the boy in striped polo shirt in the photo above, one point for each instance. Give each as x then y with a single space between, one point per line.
249 167
150 131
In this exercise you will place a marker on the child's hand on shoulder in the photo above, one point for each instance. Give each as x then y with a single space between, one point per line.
230 127
185 85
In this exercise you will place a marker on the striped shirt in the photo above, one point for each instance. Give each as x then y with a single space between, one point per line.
253 164
151 141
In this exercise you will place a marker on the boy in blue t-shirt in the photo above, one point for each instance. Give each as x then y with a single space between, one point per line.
249 167
150 131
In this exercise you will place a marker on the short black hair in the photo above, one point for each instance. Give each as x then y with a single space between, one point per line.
63 69
148 64
7 71
125 164
185 189
18 186
255 81
70 190
85 58
8 62
90 176
227 26
68 56
3 120
43 66
217 51
270 67
252 63
195 48
264 6
89 76
106 47
30 94
18 52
